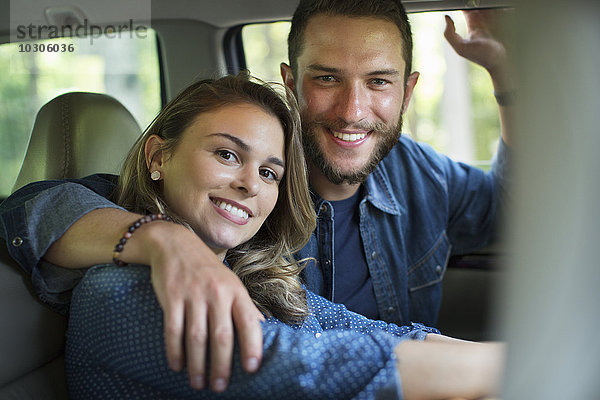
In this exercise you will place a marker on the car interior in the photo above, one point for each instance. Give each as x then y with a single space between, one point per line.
535 289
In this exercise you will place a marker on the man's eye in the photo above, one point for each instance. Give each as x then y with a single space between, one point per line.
379 82
326 78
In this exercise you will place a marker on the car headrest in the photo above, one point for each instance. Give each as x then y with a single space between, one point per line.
78 134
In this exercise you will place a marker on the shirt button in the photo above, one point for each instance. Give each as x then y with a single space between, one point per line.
323 207
374 254
17 241
391 309
318 335
438 269
327 262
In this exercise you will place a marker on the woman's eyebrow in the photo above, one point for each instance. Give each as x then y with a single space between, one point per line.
239 142
276 161
245 147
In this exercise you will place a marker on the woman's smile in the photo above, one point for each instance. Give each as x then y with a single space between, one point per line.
232 210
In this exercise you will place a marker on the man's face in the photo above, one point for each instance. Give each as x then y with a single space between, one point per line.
350 87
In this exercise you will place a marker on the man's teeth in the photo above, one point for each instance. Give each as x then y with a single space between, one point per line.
232 209
349 137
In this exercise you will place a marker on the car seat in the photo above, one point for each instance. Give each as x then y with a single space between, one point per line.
74 135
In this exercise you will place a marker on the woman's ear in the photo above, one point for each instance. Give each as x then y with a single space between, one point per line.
154 154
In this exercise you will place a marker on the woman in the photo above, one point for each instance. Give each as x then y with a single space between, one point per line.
224 161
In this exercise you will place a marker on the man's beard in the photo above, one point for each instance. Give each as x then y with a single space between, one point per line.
386 136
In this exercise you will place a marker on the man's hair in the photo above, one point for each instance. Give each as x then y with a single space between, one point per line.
264 263
389 10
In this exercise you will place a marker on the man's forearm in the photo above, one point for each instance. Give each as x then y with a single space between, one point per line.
91 239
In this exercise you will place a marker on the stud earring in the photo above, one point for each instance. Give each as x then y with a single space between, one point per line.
155 175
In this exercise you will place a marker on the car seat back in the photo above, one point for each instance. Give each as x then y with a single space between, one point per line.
74 135
78 134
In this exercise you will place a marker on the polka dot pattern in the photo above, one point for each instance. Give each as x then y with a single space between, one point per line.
115 349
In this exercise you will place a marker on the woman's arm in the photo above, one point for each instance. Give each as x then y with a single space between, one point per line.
441 367
115 343
115 338
336 316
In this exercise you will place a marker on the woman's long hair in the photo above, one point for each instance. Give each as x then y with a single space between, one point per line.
264 263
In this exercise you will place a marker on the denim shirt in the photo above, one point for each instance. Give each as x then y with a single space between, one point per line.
419 208
115 349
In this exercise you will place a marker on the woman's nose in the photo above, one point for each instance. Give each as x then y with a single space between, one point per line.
247 181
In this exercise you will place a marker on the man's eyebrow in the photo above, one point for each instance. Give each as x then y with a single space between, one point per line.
384 72
323 68
244 146
332 70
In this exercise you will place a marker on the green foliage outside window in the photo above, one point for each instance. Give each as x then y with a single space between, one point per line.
128 72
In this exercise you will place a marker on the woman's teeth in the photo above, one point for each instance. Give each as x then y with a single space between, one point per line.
349 137
232 209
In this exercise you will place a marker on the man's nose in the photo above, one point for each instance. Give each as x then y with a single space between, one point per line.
352 103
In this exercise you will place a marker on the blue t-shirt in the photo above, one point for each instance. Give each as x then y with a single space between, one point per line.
352 280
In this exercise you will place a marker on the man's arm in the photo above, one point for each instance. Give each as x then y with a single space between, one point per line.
486 45
70 225
477 201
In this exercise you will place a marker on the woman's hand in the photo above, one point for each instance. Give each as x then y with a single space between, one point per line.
202 300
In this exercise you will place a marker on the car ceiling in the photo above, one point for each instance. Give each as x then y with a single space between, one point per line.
222 13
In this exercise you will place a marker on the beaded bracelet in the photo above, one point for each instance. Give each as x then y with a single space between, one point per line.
129 232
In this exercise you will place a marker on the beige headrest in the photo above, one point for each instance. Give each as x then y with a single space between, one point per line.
78 134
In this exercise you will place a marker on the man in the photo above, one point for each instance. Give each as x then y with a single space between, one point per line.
390 212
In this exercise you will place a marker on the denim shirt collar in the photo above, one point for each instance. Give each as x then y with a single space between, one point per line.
378 191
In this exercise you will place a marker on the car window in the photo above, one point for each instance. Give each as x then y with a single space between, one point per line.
35 72
453 108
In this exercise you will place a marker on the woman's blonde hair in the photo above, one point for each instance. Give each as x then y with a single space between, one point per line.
264 263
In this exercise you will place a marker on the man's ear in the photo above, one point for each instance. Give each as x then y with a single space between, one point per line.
153 153
411 82
287 76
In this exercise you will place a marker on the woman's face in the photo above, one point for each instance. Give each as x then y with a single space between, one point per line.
223 176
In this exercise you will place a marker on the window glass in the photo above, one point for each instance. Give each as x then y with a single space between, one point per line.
35 72
453 107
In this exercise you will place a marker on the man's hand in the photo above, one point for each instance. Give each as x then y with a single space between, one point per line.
485 43
202 300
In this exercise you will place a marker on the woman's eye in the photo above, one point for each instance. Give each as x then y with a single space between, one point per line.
268 174
226 155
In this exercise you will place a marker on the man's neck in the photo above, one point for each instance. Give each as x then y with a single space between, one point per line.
330 191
